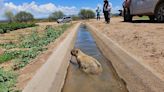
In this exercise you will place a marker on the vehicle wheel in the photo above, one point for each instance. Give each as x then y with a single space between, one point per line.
127 16
159 13
152 18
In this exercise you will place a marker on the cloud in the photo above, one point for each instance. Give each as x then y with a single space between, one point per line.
39 11
44 10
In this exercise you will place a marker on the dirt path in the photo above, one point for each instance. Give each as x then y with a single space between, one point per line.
144 40
29 71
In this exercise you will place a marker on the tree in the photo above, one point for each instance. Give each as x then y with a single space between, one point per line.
75 17
10 16
24 16
86 14
56 15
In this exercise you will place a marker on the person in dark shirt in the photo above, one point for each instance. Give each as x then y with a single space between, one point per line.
106 11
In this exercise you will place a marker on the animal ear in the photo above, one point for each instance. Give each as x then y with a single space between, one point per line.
71 53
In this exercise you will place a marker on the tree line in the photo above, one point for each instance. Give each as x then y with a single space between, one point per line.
24 16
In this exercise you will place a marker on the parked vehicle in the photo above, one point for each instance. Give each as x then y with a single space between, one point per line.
64 20
152 8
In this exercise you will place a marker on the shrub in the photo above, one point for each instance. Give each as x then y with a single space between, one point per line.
86 14
24 16
75 17
10 16
56 15
1 31
5 27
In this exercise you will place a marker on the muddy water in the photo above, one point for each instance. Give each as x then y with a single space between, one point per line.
78 81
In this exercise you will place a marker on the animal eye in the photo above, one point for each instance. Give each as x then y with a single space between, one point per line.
76 51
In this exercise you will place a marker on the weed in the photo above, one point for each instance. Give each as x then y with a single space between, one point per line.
8 45
7 80
6 56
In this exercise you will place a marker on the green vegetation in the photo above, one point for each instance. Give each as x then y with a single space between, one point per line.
75 17
34 44
34 40
5 27
7 80
86 14
7 56
24 16
21 16
24 57
8 45
10 16
144 18
56 15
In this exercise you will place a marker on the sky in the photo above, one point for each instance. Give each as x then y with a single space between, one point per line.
43 8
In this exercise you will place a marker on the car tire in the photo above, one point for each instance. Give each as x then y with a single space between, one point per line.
159 13
127 16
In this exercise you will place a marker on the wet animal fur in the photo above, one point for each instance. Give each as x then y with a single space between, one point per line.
87 63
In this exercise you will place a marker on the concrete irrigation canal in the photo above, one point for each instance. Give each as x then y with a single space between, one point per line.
78 81
121 71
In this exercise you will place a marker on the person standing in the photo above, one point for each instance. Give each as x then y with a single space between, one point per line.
106 11
98 11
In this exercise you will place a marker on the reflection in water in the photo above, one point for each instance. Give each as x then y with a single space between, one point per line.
78 81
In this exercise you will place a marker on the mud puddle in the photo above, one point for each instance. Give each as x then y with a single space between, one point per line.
78 81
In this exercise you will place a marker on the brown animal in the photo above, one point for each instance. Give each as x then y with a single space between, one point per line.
87 63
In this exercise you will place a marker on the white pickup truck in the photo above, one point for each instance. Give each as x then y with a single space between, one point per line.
152 8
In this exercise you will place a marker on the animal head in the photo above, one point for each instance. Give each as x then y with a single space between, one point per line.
75 52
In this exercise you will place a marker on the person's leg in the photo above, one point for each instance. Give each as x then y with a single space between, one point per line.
97 16
106 16
109 16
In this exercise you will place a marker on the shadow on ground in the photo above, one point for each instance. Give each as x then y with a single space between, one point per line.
142 21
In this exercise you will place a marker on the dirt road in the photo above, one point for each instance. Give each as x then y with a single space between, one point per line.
142 39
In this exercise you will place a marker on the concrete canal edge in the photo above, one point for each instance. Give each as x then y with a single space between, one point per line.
137 77
51 76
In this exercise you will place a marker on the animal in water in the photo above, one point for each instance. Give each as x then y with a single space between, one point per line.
87 63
